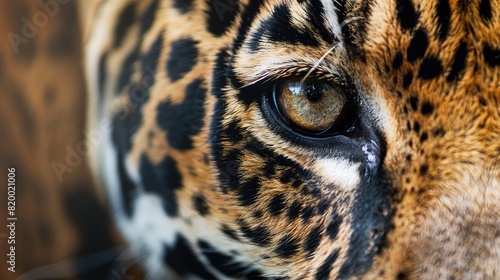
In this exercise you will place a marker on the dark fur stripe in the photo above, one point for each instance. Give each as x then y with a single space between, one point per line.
125 21
127 187
227 264
407 15
184 261
247 18
162 179
278 28
185 120
316 16
221 15
183 6
485 10
323 271
148 17
459 62
443 14
418 46
491 55
182 58
430 68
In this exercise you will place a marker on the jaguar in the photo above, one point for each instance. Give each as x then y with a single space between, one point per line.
299 139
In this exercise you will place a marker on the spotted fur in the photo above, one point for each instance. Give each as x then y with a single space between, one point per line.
206 182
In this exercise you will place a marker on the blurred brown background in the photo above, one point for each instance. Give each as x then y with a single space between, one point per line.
63 231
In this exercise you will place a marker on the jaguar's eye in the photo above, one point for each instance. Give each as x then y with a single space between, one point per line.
312 107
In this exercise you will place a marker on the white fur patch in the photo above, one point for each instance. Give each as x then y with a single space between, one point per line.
331 17
339 172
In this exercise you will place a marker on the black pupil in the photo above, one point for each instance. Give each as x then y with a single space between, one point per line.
314 91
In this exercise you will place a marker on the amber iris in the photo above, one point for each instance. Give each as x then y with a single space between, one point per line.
310 106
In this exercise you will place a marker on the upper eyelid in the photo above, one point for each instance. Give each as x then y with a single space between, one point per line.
321 72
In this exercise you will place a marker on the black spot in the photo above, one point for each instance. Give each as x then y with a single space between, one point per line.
148 17
398 61
313 240
248 192
423 169
416 126
221 15
491 56
184 261
443 14
423 137
235 131
485 10
418 46
257 214
279 28
407 79
427 108
324 270
127 70
482 101
227 264
257 234
149 62
402 276
184 120
294 211
287 247
184 6
296 183
125 21
127 187
230 165
200 204
414 103
322 206
430 68
408 157
438 132
162 179
269 169
286 177
459 62
182 58
276 205
306 213
407 15
334 225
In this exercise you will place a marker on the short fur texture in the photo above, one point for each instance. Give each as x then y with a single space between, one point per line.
205 183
